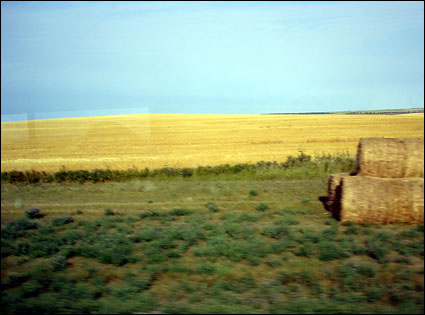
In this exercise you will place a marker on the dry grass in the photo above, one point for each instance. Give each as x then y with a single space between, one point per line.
178 140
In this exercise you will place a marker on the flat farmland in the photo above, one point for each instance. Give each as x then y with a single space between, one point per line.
188 140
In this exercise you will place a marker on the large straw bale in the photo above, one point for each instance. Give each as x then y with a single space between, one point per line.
390 158
414 148
380 200
334 192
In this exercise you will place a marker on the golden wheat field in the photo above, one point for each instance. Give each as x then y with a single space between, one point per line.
188 140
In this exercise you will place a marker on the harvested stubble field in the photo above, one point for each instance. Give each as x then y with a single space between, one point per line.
179 140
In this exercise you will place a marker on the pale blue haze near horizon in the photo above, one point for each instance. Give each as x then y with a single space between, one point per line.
71 59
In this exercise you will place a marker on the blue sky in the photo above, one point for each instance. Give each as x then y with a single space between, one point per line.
65 59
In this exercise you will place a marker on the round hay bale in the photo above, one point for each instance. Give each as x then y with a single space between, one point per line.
390 158
334 192
414 163
381 200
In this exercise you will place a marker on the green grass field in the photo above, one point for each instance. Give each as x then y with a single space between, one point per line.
212 244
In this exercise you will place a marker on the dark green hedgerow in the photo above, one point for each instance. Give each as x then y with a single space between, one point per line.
319 166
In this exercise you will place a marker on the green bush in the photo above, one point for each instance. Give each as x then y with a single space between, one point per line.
253 193
113 249
149 214
308 235
59 262
305 201
33 213
212 207
278 231
262 207
207 269
13 280
330 251
180 212
109 212
377 249
21 248
330 233
70 237
15 229
44 245
30 288
187 172
356 270
306 250
375 293
62 220
351 230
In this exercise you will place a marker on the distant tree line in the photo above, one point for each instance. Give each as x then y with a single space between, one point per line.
315 113
411 111
385 112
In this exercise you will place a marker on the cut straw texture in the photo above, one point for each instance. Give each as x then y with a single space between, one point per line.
390 158
362 199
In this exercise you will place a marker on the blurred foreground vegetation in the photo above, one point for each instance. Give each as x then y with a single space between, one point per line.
210 261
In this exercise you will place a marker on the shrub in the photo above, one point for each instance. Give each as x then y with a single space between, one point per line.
155 258
351 230
308 235
262 207
109 212
329 233
58 262
306 250
16 228
212 207
375 293
277 231
253 193
352 269
149 214
31 288
206 269
44 245
357 248
62 220
187 172
13 280
21 248
139 284
148 234
33 213
305 201
367 270
41 273
330 250
113 249
377 249
180 212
